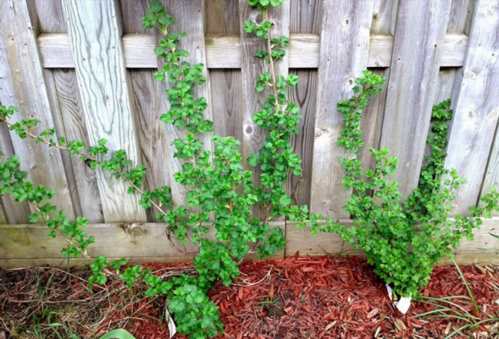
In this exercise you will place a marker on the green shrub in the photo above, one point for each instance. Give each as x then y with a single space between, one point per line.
403 240
220 193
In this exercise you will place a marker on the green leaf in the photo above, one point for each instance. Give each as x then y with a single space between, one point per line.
118 333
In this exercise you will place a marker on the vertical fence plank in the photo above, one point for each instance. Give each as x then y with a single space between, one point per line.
222 19
189 17
305 96
384 19
345 24
476 107
226 94
43 165
71 124
100 70
420 28
68 119
460 16
306 18
459 20
251 67
15 212
149 103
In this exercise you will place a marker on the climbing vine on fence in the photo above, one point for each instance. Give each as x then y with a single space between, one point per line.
402 240
220 193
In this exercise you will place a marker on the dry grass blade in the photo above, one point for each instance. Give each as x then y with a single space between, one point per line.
468 288
462 328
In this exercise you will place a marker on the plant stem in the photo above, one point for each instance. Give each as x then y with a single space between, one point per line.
271 62
86 156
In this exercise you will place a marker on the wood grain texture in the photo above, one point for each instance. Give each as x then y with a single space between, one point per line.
140 242
384 17
112 240
476 108
15 213
412 83
103 85
251 67
305 16
50 17
226 98
307 19
29 94
222 18
189 19
68 118
484 248
72 125
344 24
383 24
372 122
149 104
225 51
305 96
461 13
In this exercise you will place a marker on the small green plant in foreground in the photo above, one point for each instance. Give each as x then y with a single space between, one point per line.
403 240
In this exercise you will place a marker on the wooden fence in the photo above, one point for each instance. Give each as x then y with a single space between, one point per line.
85 68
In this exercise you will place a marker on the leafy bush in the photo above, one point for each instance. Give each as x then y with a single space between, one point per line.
220 193
403 240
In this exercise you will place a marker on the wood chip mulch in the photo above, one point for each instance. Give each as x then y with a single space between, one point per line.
326 297
296 297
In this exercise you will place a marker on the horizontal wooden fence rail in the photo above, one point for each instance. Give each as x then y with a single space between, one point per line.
86 69
225 51
142 242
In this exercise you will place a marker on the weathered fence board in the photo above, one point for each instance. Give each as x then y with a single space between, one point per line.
226 52
222 19
30 245
476 105
412 83
307 15
484 248
103 85
384 19
189 19
82 180
251 67
65 101
30 92
345 24
15 213
149 104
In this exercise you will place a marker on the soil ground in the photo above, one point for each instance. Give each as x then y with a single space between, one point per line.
296 297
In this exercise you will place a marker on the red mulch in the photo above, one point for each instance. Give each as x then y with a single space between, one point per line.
327 297
296 297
